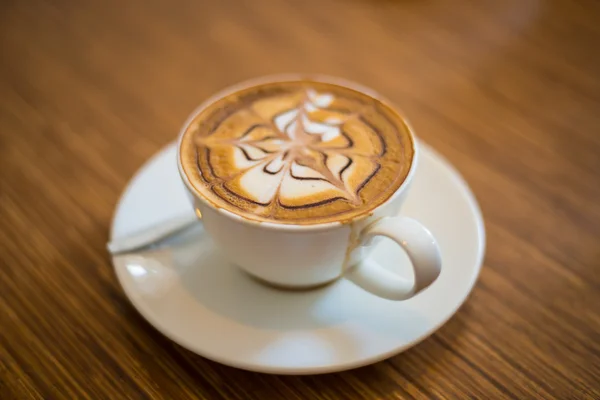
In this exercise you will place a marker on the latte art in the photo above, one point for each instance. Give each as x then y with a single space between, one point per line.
296 152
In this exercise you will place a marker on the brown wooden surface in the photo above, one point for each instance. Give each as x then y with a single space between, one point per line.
507 90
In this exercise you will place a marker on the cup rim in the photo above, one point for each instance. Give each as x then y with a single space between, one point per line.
296 76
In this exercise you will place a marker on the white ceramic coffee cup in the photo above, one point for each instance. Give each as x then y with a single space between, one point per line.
304 256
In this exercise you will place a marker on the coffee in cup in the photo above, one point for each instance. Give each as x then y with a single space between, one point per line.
297 152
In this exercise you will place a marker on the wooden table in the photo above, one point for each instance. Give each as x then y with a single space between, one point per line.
507 90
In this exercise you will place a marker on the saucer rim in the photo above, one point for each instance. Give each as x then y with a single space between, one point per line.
324 369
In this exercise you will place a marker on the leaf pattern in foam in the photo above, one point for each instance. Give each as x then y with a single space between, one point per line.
298 149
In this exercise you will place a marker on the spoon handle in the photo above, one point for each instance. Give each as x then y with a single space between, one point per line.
151 235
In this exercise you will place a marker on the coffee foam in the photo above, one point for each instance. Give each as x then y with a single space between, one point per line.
298 152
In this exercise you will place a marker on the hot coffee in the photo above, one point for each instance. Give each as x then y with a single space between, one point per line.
296 152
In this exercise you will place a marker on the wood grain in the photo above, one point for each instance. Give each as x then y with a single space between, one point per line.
507 90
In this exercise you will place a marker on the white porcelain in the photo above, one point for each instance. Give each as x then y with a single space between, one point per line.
301 256
189 292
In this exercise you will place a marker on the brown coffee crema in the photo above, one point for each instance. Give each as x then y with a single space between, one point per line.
297 152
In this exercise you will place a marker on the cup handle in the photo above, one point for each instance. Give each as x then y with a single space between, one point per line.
421 248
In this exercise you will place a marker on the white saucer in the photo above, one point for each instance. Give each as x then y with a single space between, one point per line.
190 294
